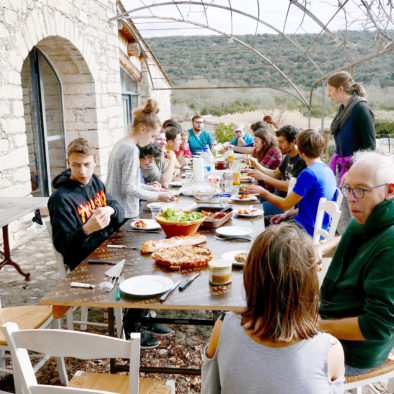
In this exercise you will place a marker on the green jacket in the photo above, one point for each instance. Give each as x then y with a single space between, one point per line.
360 282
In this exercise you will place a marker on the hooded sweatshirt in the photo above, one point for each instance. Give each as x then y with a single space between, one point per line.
70 207
360 282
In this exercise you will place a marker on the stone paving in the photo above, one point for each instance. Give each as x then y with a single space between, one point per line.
36 257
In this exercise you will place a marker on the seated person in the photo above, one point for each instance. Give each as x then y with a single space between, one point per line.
161 170
198 138
266 153
184 151
274 346
357 293
314 182
173 136
241 138
83 215
249 148
291 166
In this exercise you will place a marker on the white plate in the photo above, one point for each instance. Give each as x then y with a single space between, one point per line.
251 198
175 184
229 231
150 224
146 285
254 213
231 256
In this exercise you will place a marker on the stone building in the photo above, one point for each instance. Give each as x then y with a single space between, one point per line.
66 71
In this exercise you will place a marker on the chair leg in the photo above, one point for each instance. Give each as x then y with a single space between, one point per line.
2 362
70 319
390 386
119 322
84 318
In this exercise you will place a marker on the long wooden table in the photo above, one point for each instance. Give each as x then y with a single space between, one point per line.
200 295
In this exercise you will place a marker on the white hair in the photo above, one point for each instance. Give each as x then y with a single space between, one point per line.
384 165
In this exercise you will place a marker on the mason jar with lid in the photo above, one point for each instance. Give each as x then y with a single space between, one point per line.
220 272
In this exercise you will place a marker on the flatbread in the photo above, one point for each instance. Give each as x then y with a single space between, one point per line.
181 240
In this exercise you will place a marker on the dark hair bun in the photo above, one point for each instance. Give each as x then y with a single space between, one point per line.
151 107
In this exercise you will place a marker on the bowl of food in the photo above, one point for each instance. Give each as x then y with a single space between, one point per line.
178 222
203 192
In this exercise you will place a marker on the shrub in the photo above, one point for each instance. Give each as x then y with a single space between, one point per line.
224 132
384 128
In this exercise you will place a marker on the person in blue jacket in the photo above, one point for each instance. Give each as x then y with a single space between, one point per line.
198 138
241 138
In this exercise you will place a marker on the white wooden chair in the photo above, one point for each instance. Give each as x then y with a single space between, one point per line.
356 383
333 210
28 317
83 322
80 345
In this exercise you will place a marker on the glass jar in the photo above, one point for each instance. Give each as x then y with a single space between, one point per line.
220 272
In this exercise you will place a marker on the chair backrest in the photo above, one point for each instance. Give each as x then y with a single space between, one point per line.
58 257
333 210
338 197
292 182
64 343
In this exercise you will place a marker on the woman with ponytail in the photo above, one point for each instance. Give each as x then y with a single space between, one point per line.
123 179
354 124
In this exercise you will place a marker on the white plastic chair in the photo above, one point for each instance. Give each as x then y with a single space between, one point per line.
338 197
84 322
80 345
356 383
292 182
28 317
333 210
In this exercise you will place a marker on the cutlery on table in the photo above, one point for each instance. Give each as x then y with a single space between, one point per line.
187 282
111 246
118 293
144 231
114 274
166 294
106 262
232 238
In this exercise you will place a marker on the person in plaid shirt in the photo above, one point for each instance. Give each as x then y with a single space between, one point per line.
266 152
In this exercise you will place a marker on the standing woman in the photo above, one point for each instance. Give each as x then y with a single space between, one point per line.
123 179
266 153
273 346
354 124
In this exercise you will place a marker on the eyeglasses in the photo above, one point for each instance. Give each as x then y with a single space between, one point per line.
358 192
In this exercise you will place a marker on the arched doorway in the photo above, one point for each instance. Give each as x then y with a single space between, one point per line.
43 105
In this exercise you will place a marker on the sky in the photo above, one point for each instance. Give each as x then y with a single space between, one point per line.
271 11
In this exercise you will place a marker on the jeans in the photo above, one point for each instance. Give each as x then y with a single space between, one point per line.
270 209
351 371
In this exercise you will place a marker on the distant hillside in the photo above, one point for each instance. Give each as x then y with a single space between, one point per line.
194 60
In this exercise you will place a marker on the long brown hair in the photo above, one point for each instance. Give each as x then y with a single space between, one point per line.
343 78
281 285
269 141
147 116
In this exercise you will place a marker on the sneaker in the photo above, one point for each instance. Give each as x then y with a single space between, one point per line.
158 329
148 341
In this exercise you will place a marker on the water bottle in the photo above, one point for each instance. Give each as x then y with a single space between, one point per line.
209 162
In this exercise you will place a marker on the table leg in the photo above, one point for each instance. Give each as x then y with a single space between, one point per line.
111 331
7 254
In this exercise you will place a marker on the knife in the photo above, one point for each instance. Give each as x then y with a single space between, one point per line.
231 238
187 282
105 262
122 247
166 294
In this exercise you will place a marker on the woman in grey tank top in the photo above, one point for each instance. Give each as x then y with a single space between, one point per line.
273 346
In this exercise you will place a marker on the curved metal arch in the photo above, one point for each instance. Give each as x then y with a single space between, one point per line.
258 20
303 99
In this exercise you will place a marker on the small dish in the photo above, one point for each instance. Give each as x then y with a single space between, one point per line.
230 256
175 184
244 197
231 231
150 224
242 212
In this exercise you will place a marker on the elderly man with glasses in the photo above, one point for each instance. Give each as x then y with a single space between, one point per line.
357 294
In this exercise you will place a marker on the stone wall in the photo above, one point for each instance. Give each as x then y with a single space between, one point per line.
83 49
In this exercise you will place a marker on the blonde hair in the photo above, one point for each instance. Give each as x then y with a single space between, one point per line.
147 116
81 146
343 78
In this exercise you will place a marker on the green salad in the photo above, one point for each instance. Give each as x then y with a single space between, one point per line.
170 215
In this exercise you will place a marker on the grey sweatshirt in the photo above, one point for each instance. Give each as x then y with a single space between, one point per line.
123 179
